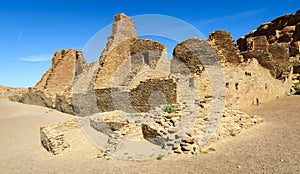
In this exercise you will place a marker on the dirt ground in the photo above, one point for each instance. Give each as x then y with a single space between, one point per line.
271 147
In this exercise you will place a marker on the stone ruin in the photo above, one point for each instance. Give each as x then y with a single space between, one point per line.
52 136
54 90
127 93
6 92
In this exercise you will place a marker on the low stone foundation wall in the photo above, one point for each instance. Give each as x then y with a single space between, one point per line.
52 136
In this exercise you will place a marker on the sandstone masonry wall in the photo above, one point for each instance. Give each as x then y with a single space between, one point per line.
152 93
223 43
206 82
54 90
250 81
59 78
52 136
6 92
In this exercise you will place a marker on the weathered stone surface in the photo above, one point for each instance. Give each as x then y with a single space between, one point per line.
152 134
280 41
284 29
54 90
83 97
280 57
122 29
122 64
263 58
224 45
277 64
251 82
134 75
166 91
7 92
259 43
85 104
64 104
274 27
128 59
123 58
107 124
52 136
194 54
34 97
296 34
59 78
157 91
248 82
295 49
296 70
105 98
285 35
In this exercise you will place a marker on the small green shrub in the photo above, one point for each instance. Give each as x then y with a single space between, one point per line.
159 157
212 149
297 88
232 133
169 108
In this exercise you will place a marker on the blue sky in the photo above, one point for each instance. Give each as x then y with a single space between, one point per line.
32 30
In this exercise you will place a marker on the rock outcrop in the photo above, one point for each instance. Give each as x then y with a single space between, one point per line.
6 92
282 29
279 39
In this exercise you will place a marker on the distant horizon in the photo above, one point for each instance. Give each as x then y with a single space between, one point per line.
32 31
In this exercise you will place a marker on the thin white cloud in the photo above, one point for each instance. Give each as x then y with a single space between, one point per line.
232 17
37 58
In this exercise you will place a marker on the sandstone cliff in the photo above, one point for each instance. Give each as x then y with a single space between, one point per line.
275 44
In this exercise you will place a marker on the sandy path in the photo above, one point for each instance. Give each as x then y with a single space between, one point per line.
272 147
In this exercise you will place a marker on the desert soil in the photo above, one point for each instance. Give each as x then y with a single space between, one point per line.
271 147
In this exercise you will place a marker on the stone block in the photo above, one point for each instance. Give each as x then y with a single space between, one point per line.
152 134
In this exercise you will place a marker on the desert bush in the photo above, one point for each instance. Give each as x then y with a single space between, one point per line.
169 108
159 157
297 88
212 149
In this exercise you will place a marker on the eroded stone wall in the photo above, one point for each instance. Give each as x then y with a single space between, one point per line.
152 93
250 83
206 81
59 78
54 90
223 43
253 80
52 136
125 62
148 94
7 92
